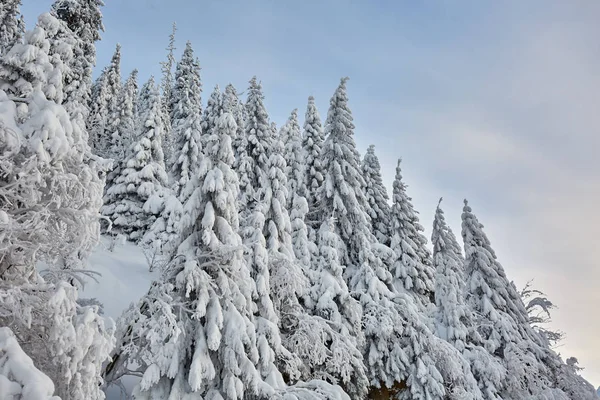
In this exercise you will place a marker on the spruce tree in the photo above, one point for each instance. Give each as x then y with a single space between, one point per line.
312 143
233 105
121 139
294 157
12 25
332 350
49 214
28 66
214 109
258 136
125 124
104 106
378 207
167 84
452 313
504 324
163 237
412 268
84 19
212 289
142 176
454 320
388 320
186 121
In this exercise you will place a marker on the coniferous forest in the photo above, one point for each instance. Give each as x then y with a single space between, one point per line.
284 268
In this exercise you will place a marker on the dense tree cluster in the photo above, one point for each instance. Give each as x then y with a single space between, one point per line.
286 271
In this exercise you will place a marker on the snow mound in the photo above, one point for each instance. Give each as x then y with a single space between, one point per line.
19 378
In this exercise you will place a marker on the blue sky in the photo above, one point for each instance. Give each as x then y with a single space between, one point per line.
493 101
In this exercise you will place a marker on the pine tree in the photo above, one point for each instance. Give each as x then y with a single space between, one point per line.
143 175
104 106
214 109
378 207
452 312
12 25
294 157
125 123
412 269
258 136
186 121
303 246
312 143
121 139
84 19
162 239
167 84
332 349
28 66
504 324
233 105
454 320
388 319
49 215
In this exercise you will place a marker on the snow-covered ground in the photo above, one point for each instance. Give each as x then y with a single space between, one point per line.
125 277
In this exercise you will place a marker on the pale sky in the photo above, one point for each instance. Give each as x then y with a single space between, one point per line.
494 101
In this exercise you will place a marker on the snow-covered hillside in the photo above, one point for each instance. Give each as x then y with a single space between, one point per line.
123 278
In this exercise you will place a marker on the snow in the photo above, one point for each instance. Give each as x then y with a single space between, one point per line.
124 278
19 378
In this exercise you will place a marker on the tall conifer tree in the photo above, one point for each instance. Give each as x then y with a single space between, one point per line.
378 207
412 268
142 176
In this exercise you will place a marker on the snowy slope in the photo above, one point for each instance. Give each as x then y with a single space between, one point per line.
124 278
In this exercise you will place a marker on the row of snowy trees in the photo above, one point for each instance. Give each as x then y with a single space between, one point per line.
285 271
332 281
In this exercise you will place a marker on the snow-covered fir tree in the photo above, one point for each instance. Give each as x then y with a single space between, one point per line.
233 105
84 19
125 121
49 215
331 348
29 65
378 207
214 109
391 323
294 157
162 239
452 312
104 106
186 121
258 136
12 25
531 366
412 268
142 176
312 143
304 247
166 85
454 320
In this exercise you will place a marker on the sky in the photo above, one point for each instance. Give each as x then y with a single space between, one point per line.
496 102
